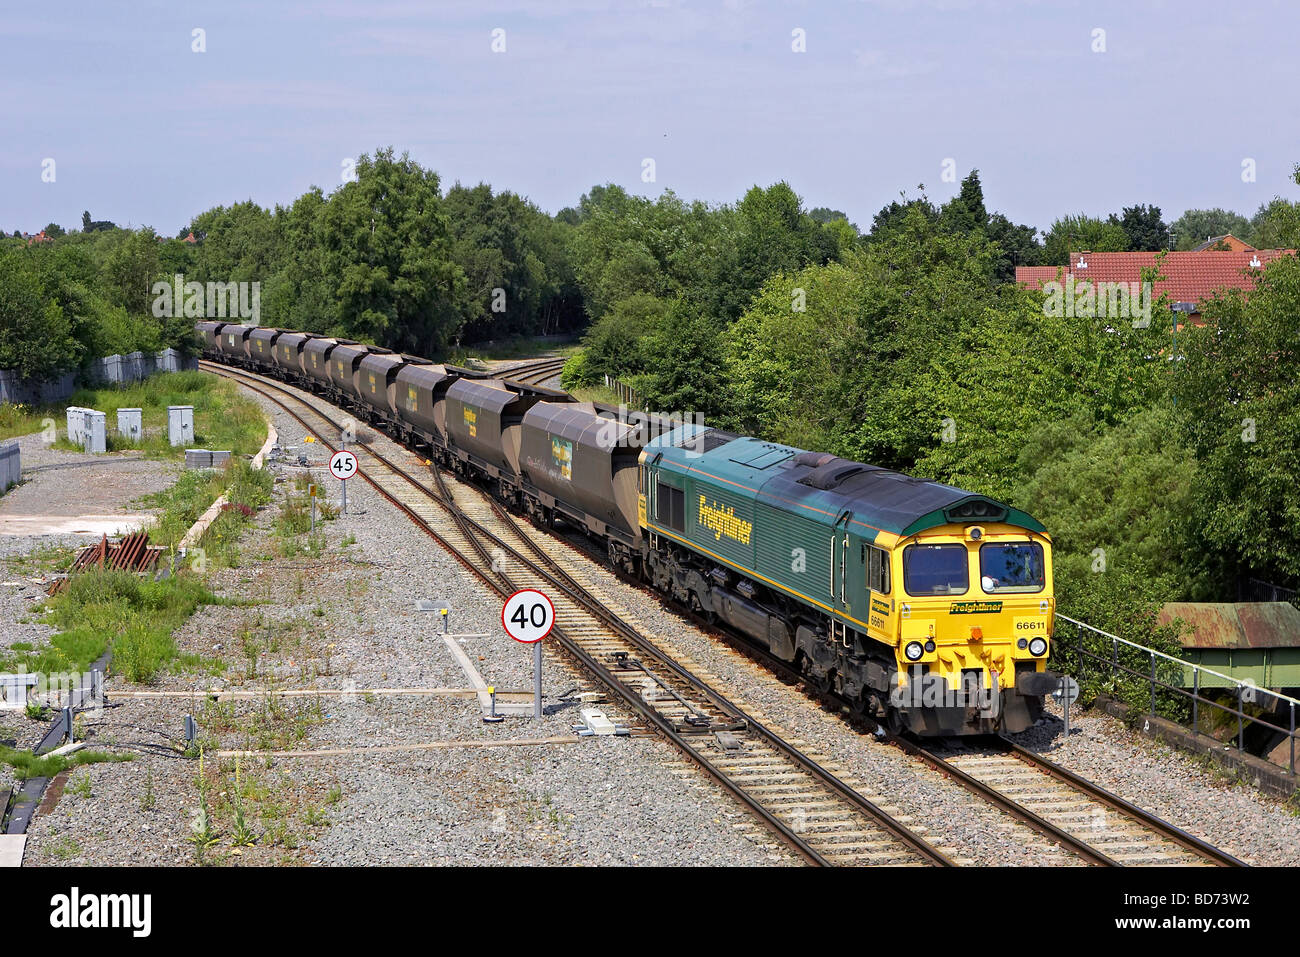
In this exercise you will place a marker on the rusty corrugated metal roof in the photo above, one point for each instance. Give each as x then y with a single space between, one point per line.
1228 625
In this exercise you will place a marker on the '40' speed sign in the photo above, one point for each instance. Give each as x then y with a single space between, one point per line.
528 616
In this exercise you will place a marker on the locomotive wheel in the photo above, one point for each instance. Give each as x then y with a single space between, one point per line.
698 608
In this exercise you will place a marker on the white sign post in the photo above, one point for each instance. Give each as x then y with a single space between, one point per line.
528 616
343 465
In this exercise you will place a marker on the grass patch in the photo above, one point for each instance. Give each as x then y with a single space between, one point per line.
294 521
595 393
27 765
223 417
512 348
99 607
194 491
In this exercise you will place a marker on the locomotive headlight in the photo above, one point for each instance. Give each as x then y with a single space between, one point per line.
929 646
1038 647
914 651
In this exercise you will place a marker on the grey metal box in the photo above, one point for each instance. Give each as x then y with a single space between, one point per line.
180 424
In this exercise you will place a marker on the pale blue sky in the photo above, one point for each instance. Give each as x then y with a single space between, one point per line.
144 131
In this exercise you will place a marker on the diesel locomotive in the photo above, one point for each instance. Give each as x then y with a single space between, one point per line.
929 608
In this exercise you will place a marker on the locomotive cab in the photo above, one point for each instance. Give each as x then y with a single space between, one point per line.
974 628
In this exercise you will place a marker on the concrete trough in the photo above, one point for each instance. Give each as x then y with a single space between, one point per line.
198 459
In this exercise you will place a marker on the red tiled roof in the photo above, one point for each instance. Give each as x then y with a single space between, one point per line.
1034 276
1228 240
1189 276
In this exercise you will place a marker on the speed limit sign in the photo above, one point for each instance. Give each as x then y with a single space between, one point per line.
528 616
343 465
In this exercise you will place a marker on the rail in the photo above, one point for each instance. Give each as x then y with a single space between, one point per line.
1159 677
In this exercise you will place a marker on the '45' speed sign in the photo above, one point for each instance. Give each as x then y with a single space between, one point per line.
528 616
343 465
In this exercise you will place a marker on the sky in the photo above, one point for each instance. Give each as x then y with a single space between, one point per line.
147 122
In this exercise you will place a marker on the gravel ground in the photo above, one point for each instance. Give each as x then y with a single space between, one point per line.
310 624
68 484
1176 786
59 484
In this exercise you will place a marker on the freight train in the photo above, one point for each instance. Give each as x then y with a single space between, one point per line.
927 607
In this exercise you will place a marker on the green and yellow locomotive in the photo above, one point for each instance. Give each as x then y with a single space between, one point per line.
928 606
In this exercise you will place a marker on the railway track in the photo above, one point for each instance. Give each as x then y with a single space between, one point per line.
1095 825
1099 827
534 373
822 817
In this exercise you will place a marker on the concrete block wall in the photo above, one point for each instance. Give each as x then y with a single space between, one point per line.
110 370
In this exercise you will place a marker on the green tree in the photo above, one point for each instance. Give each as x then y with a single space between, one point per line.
1277 223
389 245
36 338
615 345
965 212
302 293
1116 498
131 269
240 244
1144 229
1197 225
1240 392
685 378
897 214
825 215
1075 233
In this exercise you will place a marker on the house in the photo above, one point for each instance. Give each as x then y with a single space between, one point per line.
1188 277
1225 243
38 238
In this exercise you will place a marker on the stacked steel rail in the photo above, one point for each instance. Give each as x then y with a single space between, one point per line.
132 553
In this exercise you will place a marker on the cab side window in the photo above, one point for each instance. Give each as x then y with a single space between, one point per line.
877 570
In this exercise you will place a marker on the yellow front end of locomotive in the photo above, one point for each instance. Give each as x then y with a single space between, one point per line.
976 608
